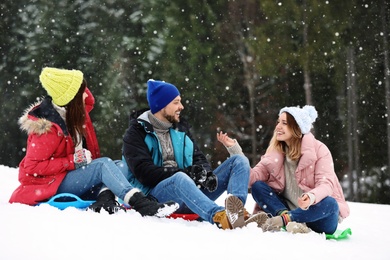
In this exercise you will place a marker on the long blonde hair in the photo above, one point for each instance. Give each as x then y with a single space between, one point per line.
294 150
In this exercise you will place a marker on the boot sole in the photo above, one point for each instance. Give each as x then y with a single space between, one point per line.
167 210
234 211
259 218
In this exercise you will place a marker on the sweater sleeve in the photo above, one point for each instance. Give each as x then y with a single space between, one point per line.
235 149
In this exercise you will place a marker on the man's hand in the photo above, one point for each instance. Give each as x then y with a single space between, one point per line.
211 182
202 178
197 173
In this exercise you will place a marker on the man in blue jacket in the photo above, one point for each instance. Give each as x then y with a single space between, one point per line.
165 162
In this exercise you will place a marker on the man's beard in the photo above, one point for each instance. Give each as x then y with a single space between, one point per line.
171 119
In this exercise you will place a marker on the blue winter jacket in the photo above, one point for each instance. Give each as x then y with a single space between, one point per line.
143 155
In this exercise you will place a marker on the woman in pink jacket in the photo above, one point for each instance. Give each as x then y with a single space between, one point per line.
295 182
63 155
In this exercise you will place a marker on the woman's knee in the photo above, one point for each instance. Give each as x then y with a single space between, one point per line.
103 160
331 204
259 187
104 163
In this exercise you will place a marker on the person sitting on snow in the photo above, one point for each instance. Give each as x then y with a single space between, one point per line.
165 162
63 156
295 181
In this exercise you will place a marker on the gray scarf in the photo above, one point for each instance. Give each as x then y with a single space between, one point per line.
162 130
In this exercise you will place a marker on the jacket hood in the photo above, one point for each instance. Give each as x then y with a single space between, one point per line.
39 118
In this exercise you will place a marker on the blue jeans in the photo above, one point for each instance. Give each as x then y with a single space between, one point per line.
86 181
232 175
321 217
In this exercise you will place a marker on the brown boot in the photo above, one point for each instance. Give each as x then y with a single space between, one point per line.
295 227
273 224
221 220
260 218
235 211
247 215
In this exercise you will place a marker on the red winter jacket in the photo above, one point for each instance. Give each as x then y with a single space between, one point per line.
49 154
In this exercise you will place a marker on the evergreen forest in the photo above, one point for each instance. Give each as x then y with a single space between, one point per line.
235 62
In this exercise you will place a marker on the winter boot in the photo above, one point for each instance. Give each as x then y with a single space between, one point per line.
273 224
260 218
106 200
247 215
149 206
295 227
221 220
235 211
276 223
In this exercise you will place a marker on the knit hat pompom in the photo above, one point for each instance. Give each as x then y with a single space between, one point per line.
61 84
312 112
160 94
305 117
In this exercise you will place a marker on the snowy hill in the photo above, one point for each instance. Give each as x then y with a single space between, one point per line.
45 232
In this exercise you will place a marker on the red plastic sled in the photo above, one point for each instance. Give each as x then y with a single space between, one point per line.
189 217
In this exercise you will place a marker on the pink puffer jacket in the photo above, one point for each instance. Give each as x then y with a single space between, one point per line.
315 172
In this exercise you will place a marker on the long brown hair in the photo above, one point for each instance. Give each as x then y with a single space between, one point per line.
75 115
294 150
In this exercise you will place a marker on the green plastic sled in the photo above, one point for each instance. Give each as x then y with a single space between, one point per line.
340 234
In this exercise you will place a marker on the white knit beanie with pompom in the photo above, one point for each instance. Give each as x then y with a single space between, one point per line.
305 117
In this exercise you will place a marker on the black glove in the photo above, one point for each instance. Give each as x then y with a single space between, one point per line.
211 182
197 173
202 178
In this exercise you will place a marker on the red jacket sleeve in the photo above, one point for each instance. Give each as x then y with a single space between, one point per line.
48 154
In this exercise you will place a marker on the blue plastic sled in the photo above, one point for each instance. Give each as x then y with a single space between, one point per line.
65 200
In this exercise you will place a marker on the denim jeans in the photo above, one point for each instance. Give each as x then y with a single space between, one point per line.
321 217
86 181
232 175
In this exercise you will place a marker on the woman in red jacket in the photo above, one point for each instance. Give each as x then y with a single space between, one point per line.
63 156
295 181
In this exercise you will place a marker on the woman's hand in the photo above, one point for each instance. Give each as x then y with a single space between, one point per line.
304 201
82 157
225 139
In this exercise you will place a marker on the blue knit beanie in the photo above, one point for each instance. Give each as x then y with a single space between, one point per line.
160 94
304 117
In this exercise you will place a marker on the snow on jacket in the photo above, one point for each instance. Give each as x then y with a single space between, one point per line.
143 155
315 172
49 154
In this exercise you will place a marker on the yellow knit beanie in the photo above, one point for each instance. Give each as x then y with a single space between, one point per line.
62 85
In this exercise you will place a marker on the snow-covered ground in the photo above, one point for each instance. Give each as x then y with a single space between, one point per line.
45 232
